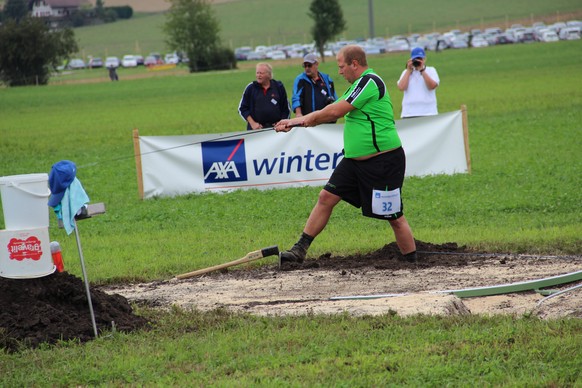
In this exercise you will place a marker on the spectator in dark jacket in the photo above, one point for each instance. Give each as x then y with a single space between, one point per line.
312 90
264 101
113 73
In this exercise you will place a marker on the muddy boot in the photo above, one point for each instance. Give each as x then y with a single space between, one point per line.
298 252
294 255
409 257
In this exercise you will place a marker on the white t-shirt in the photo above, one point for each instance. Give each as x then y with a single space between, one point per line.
418 100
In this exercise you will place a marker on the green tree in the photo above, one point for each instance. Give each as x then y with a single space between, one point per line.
192 28
328 22
15 9
99 9
30 51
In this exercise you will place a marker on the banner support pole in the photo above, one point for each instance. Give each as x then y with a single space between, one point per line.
466 136
138 167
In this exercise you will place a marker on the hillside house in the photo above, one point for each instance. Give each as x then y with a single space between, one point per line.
56 8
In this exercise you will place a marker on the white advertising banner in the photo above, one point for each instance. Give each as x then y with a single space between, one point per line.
178 165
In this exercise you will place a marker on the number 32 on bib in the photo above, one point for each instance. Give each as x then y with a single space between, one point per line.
385 203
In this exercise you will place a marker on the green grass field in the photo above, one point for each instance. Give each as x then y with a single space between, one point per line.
224 350
525 123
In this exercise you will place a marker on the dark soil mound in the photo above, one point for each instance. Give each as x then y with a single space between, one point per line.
55 307
389 257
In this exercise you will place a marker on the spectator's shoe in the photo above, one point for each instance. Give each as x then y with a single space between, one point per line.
294 255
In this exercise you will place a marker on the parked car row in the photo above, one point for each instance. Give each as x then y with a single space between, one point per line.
127 61
454 39
539 32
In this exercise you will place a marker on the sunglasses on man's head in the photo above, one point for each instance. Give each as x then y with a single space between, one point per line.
307 64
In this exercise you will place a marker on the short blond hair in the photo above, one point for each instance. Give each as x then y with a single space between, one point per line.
266 65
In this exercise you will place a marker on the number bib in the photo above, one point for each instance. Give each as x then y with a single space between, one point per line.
385 203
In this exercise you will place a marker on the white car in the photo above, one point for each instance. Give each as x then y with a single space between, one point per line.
254 56
172 59
371 49
570 33
129 61
112 62
479 41
395 45
276 55
75 64
549 36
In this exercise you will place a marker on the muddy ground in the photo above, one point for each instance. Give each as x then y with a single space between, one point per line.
55 307
319 285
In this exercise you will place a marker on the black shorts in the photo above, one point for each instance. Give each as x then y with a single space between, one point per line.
354 180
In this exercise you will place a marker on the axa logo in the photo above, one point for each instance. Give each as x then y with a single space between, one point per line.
224 161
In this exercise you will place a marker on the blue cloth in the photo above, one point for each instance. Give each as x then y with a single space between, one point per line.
61 176
73 200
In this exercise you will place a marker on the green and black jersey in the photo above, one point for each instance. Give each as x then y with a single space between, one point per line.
370 128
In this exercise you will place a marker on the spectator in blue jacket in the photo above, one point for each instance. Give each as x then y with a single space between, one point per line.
312 90
264 101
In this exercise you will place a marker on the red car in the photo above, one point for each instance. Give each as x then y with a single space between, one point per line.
150 60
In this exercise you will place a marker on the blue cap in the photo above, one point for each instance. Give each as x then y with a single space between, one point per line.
417 52
60 178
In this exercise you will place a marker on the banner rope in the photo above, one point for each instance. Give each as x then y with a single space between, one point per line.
178 146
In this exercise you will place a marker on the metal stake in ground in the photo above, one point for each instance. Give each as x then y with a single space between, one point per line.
85 278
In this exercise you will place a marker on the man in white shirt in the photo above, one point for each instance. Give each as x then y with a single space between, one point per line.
419 83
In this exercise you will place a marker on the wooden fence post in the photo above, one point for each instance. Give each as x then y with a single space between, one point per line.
466 137
138 169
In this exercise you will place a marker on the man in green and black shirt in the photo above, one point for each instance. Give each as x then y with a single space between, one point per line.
371 174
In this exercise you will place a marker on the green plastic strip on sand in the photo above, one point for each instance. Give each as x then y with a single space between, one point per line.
516 287
489 290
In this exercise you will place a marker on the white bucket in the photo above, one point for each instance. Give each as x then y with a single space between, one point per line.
25 254
25 201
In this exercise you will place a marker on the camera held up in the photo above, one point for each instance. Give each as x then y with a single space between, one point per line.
415 62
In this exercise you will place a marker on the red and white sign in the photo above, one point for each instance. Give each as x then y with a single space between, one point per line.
24 249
